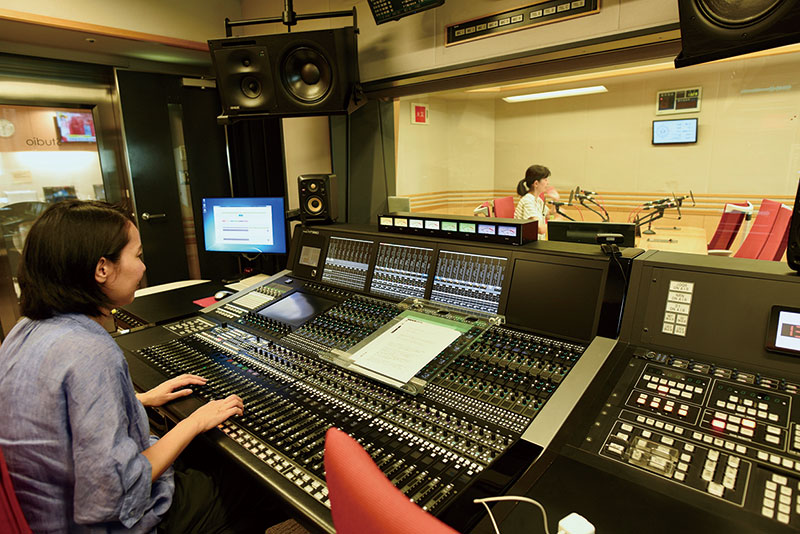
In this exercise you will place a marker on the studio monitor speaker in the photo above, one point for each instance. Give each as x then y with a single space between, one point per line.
793 248
290 74
716 29
318 201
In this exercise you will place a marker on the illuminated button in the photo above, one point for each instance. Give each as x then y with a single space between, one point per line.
689 388
733 428
674 391
669 428
669 408
770 494
641 400
686 395
775 440
646 434
652 385
679 430
640 419
671 383
741 409
718 425
767 512
654 404
771 485
682 466
680 475
626 427
662 381
763 456
749 423
663 389
731 471
774 459
761 414
729 445
713 455
707 475
720 404
721 416
650 421
733 461
763 406
748 402
729 482
783 518
785 500
716 489
666 440
682 412
659 424
708 439
774 430
741 449
646 377
622 436
698 390
773 417
769 503
730 406
697 435
718 442
735 419
681 385
751 412
688 447
747 432
686 458
733 398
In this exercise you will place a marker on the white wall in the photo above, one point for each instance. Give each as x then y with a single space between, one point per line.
182 19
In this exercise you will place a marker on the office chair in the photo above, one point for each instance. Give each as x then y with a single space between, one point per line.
362 498
757 237
11 519
728 227
778 238
504 207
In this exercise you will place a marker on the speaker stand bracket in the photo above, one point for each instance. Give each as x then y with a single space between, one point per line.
289 18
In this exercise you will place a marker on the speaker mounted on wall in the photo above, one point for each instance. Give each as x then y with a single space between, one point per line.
716 29
291 74
318 200
793 248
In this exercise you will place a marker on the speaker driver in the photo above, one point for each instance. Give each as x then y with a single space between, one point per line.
741 13
307 75
251 87
314 205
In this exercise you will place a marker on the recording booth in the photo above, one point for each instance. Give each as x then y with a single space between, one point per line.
509 338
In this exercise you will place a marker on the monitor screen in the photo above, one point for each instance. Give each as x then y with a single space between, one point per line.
248 225
57 193
586 231
675 131
575 287
75 127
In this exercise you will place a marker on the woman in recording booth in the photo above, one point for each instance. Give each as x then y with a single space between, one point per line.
530 189
74 433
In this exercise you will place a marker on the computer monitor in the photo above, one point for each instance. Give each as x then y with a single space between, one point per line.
586 231
57 193
248 225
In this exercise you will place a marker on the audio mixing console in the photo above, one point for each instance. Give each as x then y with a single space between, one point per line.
452 433
698 428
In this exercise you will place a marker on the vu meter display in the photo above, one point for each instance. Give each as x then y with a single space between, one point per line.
347 263
401 271
469 280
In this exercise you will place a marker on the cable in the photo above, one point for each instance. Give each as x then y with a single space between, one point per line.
512 498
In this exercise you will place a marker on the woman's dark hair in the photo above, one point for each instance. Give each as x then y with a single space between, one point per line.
534 173
57 271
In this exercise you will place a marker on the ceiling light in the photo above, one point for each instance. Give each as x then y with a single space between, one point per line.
557 94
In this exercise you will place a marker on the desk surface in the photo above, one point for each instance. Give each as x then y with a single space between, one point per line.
688 239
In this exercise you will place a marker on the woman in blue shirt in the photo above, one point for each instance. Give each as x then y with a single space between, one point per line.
74 433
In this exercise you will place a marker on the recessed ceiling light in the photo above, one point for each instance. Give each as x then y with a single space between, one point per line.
557 94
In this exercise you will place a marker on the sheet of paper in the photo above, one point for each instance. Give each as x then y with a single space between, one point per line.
400 352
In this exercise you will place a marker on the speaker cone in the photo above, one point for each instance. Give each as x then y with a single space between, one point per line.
251 87
307 75
727 13
314 205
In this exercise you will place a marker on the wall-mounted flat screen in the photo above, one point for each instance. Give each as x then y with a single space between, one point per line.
675 131
247 225
75 127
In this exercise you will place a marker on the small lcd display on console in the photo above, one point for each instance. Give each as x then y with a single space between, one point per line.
296 309
783 330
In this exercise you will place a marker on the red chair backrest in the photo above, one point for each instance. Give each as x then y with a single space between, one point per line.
362 498
760 231
488 206
778 239
504 207
11 519
728 227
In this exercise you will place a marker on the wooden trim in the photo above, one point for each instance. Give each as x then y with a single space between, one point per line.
96 29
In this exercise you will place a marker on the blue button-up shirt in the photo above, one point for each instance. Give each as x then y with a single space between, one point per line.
72 431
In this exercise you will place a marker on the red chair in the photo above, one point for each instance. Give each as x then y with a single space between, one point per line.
484 209
504 207
362 498
728 227
762 228
11 519
778 239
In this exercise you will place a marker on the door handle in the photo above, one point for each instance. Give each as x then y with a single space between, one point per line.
146 216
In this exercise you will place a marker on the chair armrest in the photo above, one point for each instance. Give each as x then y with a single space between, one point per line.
719 252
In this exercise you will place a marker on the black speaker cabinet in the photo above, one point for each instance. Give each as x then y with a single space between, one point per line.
716 29
793 249
288 74
318 201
